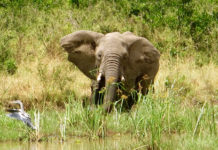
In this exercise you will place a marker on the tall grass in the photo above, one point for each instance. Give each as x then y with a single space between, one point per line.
157 122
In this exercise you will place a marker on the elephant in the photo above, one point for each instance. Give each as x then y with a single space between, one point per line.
116 57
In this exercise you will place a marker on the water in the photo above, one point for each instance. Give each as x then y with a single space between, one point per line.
74 143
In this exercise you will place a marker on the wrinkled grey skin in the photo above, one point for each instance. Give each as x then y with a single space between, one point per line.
117 56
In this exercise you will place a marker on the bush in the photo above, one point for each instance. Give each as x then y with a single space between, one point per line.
10 65
7 62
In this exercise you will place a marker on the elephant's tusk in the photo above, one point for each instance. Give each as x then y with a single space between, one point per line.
99 77
122 79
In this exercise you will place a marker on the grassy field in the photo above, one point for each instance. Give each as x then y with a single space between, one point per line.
181 114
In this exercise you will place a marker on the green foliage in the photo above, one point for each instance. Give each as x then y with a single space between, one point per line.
40 4
10 66
7 61
191 18
82 3
188 20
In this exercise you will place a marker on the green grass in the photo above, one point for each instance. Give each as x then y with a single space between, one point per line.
181 114
157 122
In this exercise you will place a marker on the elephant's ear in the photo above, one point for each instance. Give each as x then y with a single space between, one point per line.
141 51
81 46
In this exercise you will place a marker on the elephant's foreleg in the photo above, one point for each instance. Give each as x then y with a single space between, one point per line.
144 83
97 95
131 100
93 92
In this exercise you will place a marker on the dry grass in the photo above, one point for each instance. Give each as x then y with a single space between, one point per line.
192 83
53 79
44 79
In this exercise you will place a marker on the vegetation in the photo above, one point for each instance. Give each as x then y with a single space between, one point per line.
181 114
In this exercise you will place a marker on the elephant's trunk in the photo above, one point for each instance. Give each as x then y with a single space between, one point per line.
112 75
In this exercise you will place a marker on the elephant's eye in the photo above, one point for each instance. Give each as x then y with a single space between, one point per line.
77 51
125 55
93 44
99 56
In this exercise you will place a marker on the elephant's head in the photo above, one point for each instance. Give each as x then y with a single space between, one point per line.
116 56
